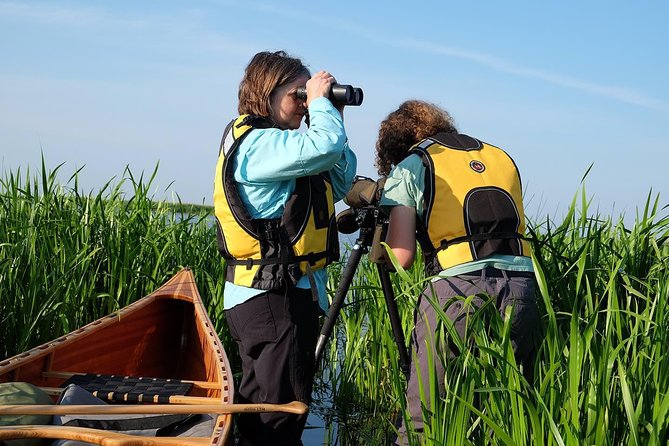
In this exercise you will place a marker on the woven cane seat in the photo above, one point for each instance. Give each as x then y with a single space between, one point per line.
130 389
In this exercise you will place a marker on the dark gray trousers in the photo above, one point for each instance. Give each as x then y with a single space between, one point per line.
276 334
507 288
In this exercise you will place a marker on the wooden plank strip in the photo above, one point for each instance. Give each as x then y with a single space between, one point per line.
65 375
174 399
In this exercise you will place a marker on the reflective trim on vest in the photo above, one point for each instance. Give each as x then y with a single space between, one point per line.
268 254
473 202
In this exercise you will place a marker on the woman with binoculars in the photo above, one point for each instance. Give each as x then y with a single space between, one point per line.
274 195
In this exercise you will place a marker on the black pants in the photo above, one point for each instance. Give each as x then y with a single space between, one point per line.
276 334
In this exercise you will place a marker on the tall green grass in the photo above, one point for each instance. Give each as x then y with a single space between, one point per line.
602 373
67 257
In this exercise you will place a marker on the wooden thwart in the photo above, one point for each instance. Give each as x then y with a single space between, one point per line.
296 407
66 375
174 399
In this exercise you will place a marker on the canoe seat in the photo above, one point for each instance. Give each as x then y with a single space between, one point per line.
130 389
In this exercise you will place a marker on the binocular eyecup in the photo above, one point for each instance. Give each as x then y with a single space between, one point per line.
339 94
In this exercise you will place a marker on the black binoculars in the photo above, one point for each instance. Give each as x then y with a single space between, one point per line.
339 94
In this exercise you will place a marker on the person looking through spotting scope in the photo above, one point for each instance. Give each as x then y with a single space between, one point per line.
460 198
274 195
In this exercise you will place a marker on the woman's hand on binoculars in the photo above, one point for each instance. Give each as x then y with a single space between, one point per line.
319 85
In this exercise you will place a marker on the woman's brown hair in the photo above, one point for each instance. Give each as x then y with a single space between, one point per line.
265 73
412 122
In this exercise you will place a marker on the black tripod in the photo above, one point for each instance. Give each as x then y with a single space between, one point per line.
366 218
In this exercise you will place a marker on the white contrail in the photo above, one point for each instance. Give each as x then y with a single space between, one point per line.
617 93
50 13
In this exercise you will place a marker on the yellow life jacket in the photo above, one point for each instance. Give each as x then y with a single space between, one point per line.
272 253
473 202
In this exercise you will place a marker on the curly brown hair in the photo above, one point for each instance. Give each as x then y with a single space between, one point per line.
266 72
413 121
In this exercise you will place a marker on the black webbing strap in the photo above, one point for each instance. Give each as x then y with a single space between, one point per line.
257 122
312 258
131 389
479 237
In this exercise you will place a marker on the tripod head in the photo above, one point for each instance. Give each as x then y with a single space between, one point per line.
363 201
364 215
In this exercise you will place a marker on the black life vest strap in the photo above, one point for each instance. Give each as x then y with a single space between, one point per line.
257 122
478 237
312 258
422 237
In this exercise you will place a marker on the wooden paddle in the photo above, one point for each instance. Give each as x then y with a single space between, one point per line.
296 407
95 436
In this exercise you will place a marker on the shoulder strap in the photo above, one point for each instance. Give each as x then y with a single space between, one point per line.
457 141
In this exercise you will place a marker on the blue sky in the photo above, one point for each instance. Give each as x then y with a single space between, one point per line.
559 85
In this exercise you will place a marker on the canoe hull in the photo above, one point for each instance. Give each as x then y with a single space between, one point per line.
166 334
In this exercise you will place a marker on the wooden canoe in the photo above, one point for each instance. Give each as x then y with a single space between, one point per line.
166 334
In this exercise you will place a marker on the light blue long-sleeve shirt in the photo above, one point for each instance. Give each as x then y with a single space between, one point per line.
267 163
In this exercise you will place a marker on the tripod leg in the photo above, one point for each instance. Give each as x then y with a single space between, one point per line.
395 320
346 278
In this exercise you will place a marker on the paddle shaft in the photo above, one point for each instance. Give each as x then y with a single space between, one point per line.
95 436
296 407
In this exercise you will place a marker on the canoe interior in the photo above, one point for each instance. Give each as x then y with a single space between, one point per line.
166 334
161 341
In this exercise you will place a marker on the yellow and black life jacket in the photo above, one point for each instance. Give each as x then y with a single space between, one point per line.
473 202
272 253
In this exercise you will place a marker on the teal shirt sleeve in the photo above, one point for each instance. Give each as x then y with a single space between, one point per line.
343 172
269 160
404 185
271 155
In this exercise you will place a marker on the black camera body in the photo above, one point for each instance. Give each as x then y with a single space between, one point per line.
339 94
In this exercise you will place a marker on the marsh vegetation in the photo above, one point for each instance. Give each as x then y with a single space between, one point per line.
602 375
